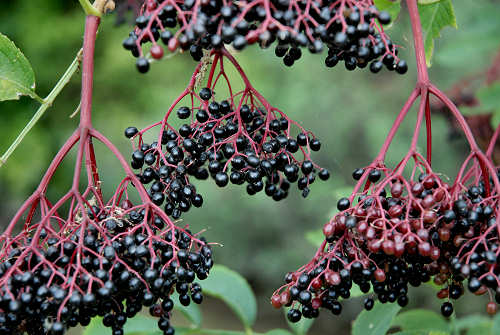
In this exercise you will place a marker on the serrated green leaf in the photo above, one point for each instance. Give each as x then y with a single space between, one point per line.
192 312
227 285
434 17
301 327
377 321
315 237
392 7
16 75
489 97
421 320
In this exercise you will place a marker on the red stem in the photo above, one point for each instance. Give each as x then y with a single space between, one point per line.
416 26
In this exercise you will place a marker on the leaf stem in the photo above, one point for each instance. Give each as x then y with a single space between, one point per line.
89 9
46 103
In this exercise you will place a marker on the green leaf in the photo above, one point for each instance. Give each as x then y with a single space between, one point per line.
192 312
140 325
377 321
95 327
421 320
434 17
16 75
392 7
356 292
301 327
233 289
482 329
315 237
471 321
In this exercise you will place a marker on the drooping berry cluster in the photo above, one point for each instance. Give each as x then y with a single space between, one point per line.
109 261
241 139
351 30
65 260
394 231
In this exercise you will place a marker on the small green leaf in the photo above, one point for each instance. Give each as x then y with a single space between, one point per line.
192 312
301 327
489 97
421 320
233 289
434 17
392 7
16 75
377 321
315 237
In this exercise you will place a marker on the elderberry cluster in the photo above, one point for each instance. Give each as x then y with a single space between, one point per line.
242 144
351 31
106 268
385 244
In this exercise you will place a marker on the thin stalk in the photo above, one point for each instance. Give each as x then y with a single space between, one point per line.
416 26
47 102
89 9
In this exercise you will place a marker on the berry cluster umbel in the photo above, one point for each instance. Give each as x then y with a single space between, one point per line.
79 256
111 263
351 30
390 240
241 139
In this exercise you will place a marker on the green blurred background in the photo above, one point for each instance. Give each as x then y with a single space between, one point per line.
350 112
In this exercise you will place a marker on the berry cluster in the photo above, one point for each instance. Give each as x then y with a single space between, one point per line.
109 256
241 139
350 29
394 232
63 261
386 242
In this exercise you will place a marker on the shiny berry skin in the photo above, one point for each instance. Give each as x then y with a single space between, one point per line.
131 132
369 303
447 309
205 93
142 65
156 51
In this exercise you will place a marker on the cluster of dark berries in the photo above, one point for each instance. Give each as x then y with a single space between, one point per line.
242 144
114 263
403 236
351 30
